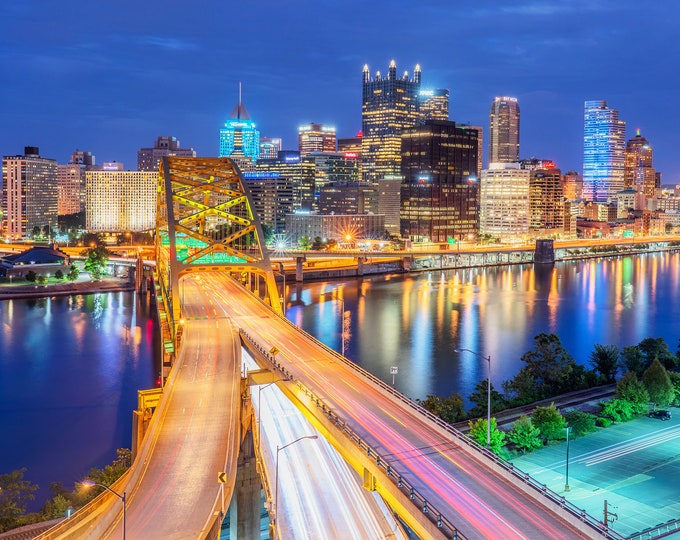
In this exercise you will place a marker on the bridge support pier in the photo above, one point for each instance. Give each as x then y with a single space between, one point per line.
299 274
245 505
360 266
406 264
545 252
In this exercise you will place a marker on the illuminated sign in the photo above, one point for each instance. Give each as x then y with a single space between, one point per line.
350 155
292 159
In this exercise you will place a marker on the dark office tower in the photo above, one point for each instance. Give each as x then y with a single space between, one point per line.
546 202
639 173
504 130
389 105
480 145
316 138
439 193
30 194
433 104
149 158
603 151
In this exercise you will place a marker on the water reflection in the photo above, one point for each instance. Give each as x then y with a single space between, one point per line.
415 321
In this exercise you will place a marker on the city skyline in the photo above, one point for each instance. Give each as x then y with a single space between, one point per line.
96 79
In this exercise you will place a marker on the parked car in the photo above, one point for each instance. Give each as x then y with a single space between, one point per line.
661 414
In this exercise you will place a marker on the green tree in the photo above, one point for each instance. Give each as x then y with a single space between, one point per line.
632 390
522 388
59 275
605 361
31 276
109 474
73 273
675 381
633 359
480 398
549 422
658 384
318 243
478 432
268 233
617 409
96 261
450 409
657 348
41 279
305 242
36 232
56 507
524 435
14 493
580 422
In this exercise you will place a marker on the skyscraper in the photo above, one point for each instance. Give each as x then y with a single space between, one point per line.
504 201
316 138
149 158
433 104
639 173
70 188
239 135
603 151
30 194
270 147
504 130
389 105
439 193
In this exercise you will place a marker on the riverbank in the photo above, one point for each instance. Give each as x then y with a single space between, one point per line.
82 286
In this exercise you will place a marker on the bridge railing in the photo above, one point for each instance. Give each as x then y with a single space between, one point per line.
519 476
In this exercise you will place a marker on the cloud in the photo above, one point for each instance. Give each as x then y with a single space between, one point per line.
167 43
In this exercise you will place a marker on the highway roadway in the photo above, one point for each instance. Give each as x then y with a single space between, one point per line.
480 503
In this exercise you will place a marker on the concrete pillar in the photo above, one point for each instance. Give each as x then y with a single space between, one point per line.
544 252
360 266
406 264
245 519
299 275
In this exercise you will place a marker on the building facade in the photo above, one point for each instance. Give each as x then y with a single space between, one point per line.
389 105
272 195
148 159
433 104
240 134
335 226
603 151
299 171
572 185
440 190
638 170
504 210
270 147
504 130
546 202
30 194
70 189
316 138
348 198
120 201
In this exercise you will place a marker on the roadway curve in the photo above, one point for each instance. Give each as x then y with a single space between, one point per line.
463 488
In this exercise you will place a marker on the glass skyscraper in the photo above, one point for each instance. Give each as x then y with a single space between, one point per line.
603 151
504 130
239 136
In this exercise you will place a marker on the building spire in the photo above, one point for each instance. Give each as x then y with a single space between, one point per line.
239 112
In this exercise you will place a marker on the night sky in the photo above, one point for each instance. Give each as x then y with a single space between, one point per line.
110 77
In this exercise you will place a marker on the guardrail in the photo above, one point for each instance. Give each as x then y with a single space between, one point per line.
661 530
435 516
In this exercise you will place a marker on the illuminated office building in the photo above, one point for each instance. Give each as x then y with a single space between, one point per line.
83 158
546 201
389 202
504 201
433 104
504 130
345 197
316 138
30 194
603 151
351 147
239 134
389 105
300 172
120 201
70 189
272 195
572 185
638 172
332 167
335 226
149 158
439 192
270 147
480 144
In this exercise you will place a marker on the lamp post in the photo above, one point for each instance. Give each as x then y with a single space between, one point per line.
566 480
259 408
342 320
276 477
282 271
488 392
90 483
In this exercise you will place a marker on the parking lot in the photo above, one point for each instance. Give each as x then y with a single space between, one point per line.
634 466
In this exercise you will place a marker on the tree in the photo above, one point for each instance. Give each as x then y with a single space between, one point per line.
605 361
268 233
449 409
657 348
580 422
524 435
675 381
549 422
73 273
631 389
633 359
14 493
305 242
41 279
31 276
522 388
59 275
318 243
658 384
35 232
478 432
480 398
96 261
619 410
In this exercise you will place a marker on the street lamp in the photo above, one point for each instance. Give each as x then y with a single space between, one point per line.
488 392
566 480
259 408
90 483
276 477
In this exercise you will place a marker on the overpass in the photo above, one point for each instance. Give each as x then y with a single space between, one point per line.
217 287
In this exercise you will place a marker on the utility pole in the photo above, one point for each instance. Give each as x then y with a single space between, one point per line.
609 517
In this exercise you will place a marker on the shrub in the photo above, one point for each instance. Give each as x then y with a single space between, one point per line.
31 276
601 421
580 422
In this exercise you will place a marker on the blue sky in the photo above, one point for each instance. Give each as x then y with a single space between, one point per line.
110 77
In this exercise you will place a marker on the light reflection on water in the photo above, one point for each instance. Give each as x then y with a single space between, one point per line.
416 321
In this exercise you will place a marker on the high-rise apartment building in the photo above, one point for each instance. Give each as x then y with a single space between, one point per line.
389 105
504 210
120 201
240 135
433 104
270 147
149 158
638 172
439 192
70 189
603 151
316 138
30 194
504 130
